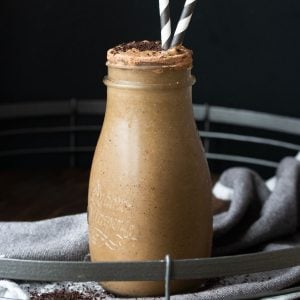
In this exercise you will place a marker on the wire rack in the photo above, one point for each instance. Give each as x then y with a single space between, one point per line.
257 139
283 140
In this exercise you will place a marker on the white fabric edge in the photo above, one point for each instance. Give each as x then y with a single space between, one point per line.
225 193
11 290
222 192
291 296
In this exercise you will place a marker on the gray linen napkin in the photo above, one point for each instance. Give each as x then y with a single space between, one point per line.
257 219
63 238
256 215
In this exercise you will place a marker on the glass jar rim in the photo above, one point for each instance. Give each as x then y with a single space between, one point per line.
141 85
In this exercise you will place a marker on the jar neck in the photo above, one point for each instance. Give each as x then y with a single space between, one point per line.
150 96
151 77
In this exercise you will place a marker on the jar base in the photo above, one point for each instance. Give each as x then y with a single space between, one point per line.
150 288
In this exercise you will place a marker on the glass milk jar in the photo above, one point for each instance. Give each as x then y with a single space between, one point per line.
149 190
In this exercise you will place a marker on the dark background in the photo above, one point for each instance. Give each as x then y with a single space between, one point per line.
246 55
246 52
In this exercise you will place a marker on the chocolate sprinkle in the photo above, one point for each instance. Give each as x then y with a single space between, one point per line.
140 46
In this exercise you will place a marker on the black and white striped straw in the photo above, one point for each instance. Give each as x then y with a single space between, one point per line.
165 23
184 22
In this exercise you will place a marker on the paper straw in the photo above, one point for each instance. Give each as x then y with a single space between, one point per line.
184 22
165 23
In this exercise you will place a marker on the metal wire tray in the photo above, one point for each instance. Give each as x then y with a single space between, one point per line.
205 114
279 133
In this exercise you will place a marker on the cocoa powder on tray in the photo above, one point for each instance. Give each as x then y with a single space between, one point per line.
65 294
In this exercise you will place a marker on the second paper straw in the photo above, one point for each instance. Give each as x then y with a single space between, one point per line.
184 22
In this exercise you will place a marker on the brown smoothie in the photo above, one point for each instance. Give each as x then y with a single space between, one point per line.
149 191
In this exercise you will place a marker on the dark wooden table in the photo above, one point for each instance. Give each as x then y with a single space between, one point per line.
35 195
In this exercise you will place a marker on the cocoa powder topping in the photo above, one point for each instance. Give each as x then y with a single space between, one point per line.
140 46
149 53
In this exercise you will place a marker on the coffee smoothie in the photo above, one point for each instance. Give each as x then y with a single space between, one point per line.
149 190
